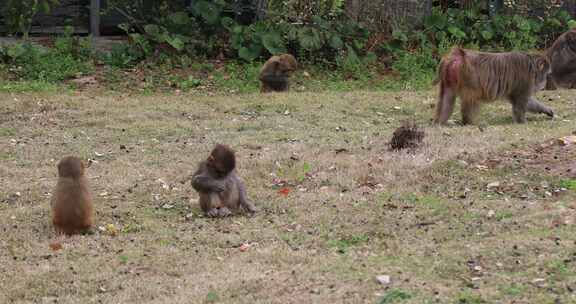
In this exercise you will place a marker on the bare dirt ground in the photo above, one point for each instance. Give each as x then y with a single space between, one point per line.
478 214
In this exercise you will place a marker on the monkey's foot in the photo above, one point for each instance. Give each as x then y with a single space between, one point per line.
224 212
214 212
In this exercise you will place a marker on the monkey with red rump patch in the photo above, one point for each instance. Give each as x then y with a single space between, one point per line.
478 77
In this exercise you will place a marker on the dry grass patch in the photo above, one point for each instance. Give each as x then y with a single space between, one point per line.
337 206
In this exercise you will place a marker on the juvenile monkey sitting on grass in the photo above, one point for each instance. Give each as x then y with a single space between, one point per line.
221 191
72 208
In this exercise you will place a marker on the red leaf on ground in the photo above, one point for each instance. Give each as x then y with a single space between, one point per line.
55 246
284 191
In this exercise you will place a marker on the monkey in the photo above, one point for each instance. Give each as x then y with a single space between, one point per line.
562 57
221 191
72 208
275 73
478 77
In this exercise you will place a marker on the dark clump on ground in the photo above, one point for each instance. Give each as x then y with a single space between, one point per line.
407 136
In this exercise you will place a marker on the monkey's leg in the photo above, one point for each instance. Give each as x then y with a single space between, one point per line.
535 106
209 202
519 105
469 111
445 105
244 202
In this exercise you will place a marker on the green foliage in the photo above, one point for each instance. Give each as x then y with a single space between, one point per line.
416 68
212 297
206 30
472 28
394 296
122 55
569 184
344 244
69 58
18 14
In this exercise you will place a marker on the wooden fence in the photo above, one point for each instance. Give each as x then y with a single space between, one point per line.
378 15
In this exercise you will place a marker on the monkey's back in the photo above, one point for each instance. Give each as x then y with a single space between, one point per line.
491 76
72 208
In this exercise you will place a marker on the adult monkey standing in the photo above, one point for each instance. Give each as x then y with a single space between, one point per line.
478 77
275 73
562 56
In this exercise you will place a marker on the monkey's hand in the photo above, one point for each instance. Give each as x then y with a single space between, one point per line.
214 212
249 207
203 183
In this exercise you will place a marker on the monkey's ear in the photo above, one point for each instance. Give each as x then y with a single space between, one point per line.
543 64
211 158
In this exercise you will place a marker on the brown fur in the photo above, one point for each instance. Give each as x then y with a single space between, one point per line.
562 56
275 73
221 191
72 209
478 77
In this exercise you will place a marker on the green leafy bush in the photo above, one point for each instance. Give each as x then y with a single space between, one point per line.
69 57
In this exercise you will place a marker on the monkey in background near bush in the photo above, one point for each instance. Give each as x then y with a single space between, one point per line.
276 72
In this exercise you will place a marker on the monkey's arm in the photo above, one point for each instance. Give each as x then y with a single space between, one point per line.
202 181
535 106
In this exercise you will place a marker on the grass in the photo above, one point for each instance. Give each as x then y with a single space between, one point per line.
353 209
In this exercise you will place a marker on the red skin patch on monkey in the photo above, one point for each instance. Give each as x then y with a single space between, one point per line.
451 75
451 72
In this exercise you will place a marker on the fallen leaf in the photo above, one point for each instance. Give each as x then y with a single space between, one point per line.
55 246
567 140
111 230
244 247
284 191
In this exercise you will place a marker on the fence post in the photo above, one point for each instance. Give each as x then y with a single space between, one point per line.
428 8
495 6
95 18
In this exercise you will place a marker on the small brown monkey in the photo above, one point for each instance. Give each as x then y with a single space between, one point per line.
221 191
72 209
478 77
562 56
275 73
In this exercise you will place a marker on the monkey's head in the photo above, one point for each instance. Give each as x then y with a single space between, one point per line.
288 63
543 70
222 160
71 166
